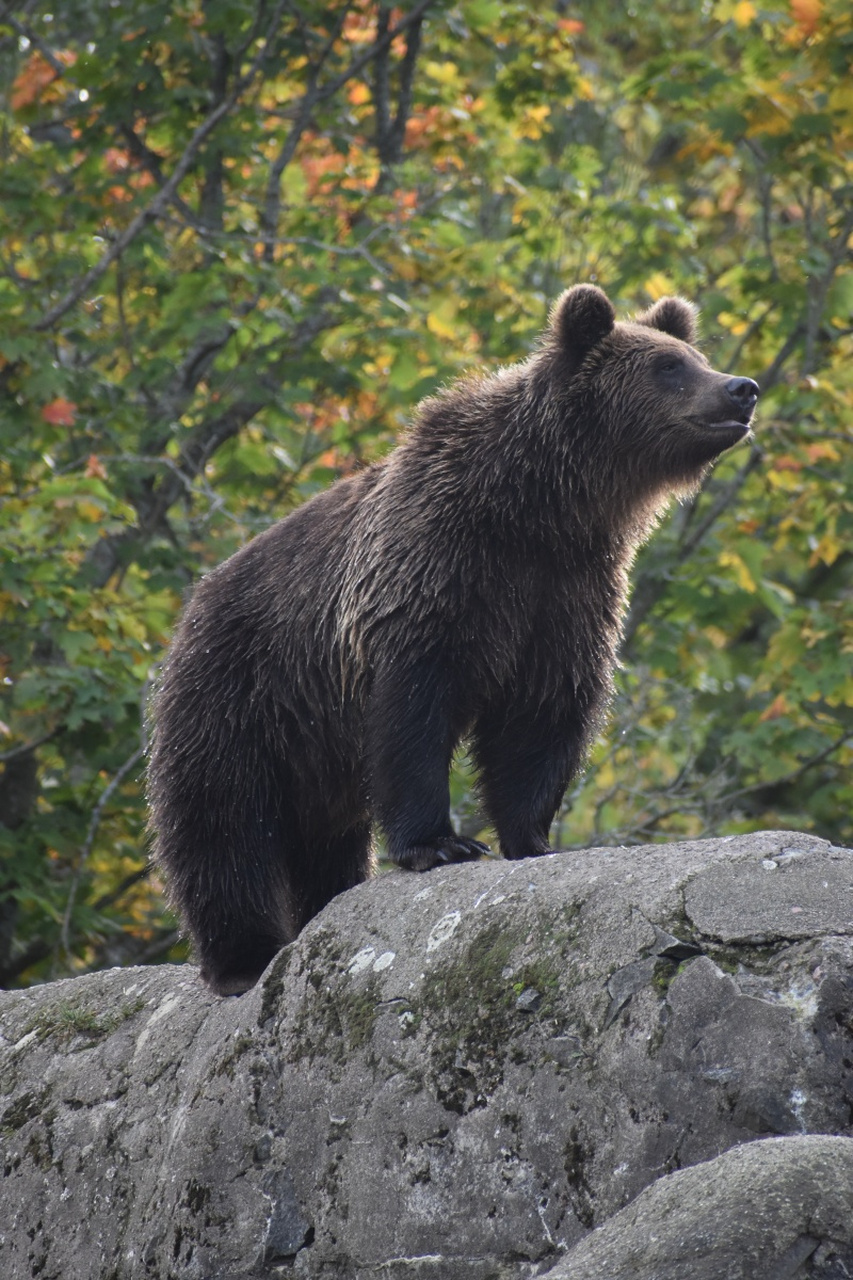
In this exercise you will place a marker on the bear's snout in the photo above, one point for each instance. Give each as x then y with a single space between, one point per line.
744 393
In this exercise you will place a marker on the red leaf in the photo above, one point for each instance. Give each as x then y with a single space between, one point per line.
59 412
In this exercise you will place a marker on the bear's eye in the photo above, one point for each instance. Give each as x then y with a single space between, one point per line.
671 364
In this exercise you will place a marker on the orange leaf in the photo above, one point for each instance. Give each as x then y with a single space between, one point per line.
60 413
116 159
778 707
822 452
32 82
806 14
95 468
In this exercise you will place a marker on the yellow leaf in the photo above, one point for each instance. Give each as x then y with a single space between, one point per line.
743 13
827 551
532 121
441 320
841 96
132 628
719 639
658 286
745 580
786 480
446 73
844 696
770 115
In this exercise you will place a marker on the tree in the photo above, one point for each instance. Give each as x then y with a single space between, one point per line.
240 239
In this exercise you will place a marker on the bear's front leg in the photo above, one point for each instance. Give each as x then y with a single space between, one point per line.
411 736
525 767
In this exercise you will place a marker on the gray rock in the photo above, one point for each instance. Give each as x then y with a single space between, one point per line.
777 1209
459 1074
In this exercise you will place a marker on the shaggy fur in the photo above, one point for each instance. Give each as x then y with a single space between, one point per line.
471 585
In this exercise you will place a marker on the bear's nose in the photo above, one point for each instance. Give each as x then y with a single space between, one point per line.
744 392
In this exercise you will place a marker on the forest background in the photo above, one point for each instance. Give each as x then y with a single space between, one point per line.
240 239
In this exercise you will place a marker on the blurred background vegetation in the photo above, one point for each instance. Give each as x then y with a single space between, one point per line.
240 239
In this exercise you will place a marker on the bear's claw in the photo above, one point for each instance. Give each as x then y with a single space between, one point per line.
441 851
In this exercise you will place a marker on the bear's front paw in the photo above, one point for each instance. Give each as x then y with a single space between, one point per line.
438 852
516 852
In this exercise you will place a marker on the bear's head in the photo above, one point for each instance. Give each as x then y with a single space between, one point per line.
641 391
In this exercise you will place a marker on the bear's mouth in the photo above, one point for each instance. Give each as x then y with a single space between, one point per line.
729 426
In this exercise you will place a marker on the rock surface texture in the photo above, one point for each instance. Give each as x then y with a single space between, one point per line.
618 1063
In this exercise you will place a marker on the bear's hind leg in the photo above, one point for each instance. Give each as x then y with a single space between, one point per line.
228 872
235 963
236 926
330 865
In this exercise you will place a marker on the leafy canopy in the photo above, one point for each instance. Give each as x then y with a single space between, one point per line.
240 239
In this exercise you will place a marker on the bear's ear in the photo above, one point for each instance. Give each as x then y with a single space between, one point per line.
580 319
673 316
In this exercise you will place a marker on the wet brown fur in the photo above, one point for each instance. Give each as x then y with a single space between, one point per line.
471 585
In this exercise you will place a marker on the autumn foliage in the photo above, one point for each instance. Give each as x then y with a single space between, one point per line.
237 248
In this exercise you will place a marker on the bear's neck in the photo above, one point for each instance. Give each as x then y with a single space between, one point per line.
529 462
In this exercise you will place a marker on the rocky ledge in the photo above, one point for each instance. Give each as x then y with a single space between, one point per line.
624 1063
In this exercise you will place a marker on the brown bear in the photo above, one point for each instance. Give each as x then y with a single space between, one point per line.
471 585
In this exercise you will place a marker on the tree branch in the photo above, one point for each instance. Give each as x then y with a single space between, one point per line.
164 196
26 748
203 443
816 295
35 40
315 94
111 898
94 823
404 92
382 86
192 369
153 165
795 775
